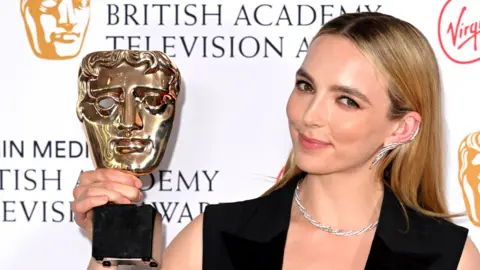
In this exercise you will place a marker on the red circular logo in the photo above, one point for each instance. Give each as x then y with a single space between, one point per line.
458 30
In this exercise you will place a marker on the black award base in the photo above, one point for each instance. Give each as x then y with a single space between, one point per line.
126 234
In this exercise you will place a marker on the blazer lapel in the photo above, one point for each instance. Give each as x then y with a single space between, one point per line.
260 243
382 257
395 247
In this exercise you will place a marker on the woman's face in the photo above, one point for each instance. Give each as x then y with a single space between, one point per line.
338 109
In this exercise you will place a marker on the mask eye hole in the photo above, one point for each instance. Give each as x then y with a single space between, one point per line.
153 101
106 103
48 6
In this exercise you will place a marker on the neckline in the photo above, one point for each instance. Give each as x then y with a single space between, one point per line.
325 228
393 235
258 241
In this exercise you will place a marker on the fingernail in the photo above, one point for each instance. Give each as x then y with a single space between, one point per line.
138 183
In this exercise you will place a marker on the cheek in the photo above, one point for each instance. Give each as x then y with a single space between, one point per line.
353 128
48 23
82 17
295 108
290 106
293 115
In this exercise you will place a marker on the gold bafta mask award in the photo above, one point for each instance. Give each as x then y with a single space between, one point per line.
126 104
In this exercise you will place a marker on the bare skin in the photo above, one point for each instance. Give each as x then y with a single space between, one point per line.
340 189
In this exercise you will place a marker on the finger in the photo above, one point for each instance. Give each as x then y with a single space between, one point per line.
81 207
103 174
132 193
121 177
113 196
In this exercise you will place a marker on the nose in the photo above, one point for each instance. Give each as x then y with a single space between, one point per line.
66 15
316 113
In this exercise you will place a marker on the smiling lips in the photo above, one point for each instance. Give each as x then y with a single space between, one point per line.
309 143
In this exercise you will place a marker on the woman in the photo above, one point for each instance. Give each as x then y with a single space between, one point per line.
362 187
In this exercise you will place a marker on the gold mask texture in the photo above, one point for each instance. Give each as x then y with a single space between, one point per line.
126 104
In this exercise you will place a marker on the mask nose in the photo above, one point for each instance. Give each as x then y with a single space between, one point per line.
66 15
130 118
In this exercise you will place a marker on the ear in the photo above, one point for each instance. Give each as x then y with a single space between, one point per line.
405 129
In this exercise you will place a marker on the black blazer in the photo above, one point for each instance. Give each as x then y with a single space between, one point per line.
251 235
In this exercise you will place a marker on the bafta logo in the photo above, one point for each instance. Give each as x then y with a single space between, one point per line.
469 175
56 28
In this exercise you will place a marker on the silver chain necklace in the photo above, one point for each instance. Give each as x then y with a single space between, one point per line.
329 229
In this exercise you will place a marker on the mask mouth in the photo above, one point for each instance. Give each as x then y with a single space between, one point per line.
125 146
65 37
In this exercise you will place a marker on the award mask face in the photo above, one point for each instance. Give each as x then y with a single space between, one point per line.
126 102
56 28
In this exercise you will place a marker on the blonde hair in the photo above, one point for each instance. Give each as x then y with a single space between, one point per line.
413 171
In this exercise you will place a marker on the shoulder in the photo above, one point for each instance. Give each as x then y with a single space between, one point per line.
447 238
432 227
229 216
238 230
438 232
255 219
185 250
470 258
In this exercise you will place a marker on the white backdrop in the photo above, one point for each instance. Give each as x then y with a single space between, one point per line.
230 136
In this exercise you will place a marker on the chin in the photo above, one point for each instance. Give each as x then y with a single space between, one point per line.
315 169
314 165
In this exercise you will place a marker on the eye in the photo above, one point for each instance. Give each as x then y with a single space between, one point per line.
46 6
49 3
303 85
349 102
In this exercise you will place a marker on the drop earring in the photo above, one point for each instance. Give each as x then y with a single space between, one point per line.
383 151
387 148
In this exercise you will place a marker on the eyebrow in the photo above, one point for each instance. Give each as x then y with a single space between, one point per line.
339 88
138 89
302 73
98 91
351 91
